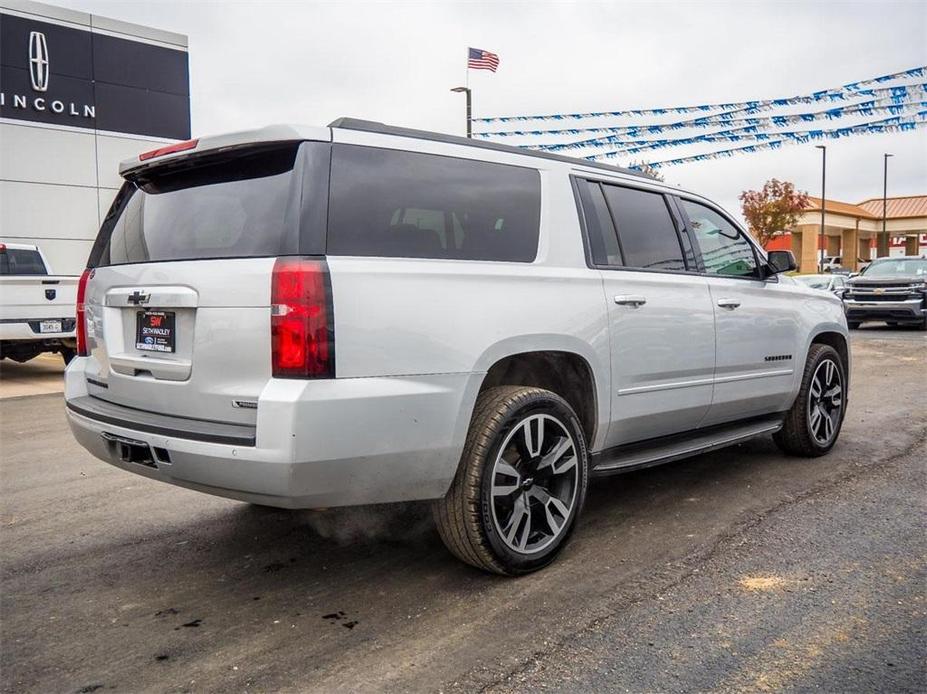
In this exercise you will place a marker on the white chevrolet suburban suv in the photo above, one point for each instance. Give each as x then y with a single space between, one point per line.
355 314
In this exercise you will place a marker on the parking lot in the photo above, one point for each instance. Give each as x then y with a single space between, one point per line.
739 570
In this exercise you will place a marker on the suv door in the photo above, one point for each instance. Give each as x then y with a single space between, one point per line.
756 318
661 322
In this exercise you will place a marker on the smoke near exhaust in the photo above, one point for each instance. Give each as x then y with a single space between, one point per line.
397 522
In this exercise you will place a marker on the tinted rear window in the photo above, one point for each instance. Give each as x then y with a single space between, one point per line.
398 204
21 261
645 229
232 204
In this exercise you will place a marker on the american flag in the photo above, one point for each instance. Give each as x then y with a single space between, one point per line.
478 59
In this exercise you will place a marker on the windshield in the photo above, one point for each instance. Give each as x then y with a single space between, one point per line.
21 261
814 281
897 267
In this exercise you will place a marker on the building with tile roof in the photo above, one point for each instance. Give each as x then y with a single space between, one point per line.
853 231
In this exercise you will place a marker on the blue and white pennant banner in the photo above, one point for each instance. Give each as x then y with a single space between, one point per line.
747 132
892 99
916 123
845 92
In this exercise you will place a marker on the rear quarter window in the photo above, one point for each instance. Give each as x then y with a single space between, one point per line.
390 203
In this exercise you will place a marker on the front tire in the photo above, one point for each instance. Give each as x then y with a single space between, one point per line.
812 425
521 483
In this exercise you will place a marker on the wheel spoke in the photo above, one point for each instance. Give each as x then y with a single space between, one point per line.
815 387
828 426
519 512
534 440
566 465
556 453
503 468
504 489
506 470
816 415
551 504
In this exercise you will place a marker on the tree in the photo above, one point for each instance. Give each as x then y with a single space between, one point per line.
773 209
645 168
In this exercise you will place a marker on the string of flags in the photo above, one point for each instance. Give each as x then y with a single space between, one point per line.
891 125
893 97
836 94
729 135
871 100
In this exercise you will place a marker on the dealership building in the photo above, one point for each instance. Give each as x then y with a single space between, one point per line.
78 94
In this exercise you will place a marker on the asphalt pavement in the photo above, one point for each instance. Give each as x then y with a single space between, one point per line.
739 570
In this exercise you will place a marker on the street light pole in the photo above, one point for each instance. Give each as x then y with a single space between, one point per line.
469 108
883 242
821 241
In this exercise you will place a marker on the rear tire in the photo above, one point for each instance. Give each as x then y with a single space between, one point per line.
521 483
812 425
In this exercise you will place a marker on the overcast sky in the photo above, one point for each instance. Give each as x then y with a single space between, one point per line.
254 63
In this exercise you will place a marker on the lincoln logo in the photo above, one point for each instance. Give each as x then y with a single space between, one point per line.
137 298
38 75
38 61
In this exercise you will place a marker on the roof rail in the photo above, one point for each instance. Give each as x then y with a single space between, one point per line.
370 126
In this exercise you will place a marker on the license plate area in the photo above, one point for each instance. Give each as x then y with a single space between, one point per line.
155 331
50 326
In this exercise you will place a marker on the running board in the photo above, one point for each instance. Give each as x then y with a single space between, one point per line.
634 456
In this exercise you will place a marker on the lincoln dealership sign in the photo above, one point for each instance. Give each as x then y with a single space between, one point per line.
38 75
62 75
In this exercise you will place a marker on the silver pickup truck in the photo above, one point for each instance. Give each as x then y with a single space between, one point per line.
37 309
893 290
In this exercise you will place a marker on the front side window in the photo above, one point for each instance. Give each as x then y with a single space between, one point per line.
396 204
646 232
725 250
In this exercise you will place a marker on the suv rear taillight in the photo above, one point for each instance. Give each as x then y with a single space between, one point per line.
302 328
82 348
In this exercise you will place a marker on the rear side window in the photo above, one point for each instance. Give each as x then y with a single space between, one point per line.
232 204
603 242
397 204
646 232
21 261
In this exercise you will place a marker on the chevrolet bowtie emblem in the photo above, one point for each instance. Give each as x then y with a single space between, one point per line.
137 298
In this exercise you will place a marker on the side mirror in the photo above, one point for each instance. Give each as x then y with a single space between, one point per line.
781 261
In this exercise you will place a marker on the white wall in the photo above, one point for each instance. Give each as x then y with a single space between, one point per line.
56 186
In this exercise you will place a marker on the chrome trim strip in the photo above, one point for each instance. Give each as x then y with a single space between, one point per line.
704 381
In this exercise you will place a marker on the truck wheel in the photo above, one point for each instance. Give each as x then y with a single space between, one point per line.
521 483
67 354
813 423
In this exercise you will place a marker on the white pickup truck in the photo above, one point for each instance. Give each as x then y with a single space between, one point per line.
37 309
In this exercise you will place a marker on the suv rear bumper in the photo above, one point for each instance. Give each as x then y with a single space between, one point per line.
902 311
315 444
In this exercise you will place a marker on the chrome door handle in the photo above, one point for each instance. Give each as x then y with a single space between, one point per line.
630 300
728 303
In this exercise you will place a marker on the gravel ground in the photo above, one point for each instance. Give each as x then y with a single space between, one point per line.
739 570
